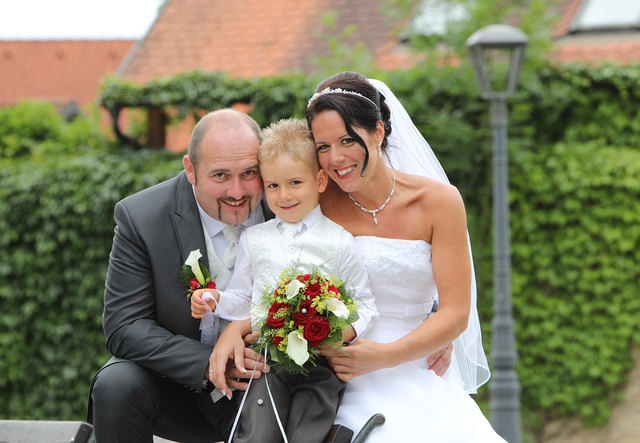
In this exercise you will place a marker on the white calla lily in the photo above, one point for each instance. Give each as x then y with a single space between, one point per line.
338 308
259 311
192 262
297 347
293 288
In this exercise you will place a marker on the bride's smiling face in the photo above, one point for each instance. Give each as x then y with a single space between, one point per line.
339 153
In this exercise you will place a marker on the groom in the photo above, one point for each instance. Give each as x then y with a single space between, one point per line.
156 383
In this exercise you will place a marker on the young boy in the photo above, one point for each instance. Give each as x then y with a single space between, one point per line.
293 180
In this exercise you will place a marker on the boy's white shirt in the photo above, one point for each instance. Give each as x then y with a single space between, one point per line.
235 301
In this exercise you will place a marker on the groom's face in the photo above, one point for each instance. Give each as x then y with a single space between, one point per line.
226 181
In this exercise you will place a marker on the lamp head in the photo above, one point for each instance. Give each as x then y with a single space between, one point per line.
494 44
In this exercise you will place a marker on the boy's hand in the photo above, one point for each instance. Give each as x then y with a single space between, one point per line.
200 307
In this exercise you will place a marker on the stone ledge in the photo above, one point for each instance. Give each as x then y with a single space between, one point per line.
43 431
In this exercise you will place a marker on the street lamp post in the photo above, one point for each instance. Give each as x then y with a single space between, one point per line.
486 47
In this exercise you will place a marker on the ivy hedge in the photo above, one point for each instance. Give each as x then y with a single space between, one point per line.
33 128
56 227
574 142
576 281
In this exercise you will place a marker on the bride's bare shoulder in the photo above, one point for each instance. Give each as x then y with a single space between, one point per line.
428 190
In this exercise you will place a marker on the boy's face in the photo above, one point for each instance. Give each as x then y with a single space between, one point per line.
291 187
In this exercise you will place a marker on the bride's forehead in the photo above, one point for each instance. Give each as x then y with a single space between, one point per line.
327 122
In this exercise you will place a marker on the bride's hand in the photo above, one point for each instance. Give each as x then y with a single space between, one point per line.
360 357
440 360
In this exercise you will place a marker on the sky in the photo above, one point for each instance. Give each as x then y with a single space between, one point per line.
76 19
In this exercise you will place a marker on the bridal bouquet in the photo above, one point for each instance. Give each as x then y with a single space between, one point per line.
194 275
302 313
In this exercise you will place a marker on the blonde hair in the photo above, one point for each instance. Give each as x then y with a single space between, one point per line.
292 137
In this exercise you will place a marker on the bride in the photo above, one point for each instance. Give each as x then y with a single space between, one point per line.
411 232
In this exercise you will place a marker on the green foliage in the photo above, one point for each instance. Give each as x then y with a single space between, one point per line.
342 56
25 125
575 235
272 98
36 128
56 227
579 103
535 18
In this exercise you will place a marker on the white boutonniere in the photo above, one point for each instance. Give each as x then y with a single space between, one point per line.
194 275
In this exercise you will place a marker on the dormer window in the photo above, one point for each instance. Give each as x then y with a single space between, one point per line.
607 15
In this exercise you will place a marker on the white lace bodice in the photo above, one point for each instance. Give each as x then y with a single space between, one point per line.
400 274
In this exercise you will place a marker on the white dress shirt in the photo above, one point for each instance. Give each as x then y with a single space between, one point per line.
215 227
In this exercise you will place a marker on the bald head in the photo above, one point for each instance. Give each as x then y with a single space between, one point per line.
224 120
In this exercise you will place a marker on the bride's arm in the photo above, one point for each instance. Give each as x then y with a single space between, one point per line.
452 272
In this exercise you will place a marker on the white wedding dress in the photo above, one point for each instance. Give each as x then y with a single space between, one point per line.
419 406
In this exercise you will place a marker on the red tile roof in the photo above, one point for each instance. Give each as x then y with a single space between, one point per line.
620 51
592 47
567 10
248 38
59 71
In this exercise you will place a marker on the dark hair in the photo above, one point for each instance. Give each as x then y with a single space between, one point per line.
354 110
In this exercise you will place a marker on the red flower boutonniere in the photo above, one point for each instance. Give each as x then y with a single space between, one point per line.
194 275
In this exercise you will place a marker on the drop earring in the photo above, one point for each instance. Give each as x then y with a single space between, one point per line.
380 150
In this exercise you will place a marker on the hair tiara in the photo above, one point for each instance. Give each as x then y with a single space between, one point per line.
328 90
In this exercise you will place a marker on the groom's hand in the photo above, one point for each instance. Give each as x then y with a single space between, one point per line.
440 360
238 380
228 354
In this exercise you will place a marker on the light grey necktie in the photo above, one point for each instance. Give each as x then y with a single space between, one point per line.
232 234
289 230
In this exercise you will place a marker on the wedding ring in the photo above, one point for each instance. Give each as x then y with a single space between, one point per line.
210 371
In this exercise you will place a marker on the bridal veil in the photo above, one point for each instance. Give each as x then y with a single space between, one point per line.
408 151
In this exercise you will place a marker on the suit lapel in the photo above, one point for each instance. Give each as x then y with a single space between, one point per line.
186 220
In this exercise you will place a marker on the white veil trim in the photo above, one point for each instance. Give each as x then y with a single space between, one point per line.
408 151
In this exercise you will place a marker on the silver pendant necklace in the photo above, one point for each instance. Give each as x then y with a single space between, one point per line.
375 211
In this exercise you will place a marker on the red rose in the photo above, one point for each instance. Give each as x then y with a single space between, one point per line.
313 290
272 320
334 290
193 283
276 339
211 285
304 278
301 318
316 330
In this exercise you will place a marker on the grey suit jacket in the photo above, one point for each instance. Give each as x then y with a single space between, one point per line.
147 318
